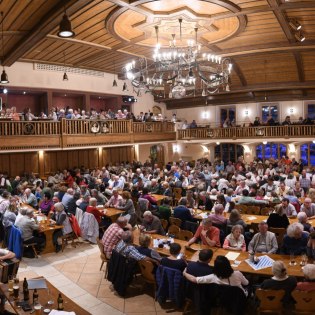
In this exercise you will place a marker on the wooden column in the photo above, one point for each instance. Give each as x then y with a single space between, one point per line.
41 163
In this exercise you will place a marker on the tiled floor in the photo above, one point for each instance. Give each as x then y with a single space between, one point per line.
75 272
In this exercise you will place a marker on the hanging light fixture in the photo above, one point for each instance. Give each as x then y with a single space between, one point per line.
114 82
4 76
65 29
180 69
125 87
65 76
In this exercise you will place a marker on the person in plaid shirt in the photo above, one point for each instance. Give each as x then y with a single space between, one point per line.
114 234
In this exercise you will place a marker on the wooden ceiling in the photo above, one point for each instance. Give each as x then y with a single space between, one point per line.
267 58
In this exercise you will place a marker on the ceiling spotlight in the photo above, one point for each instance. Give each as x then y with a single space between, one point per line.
300 37
65 29
296 26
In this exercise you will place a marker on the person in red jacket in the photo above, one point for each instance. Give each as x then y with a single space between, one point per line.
95 211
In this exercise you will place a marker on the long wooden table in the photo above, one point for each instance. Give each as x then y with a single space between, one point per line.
111 213
158 198
193 253
68 304
48 230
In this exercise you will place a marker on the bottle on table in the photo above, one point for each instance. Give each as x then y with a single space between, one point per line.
35 297
60 302
26 292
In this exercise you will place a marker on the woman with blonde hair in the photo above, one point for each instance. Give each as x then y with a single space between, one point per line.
235 240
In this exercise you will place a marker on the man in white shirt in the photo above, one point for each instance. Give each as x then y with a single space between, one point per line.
309 208
114 200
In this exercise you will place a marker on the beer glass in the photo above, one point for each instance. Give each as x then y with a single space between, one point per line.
10 283
38 309
16 289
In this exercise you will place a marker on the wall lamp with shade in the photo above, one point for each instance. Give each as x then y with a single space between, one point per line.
65 76
125 87
65 29
299 37
295 25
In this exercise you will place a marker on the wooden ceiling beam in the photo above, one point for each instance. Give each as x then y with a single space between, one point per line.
239 72
299 66
48 23
282 19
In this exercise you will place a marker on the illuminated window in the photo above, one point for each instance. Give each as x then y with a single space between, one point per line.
271 150
269 110
229 152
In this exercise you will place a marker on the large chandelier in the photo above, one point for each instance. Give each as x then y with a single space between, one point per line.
179 70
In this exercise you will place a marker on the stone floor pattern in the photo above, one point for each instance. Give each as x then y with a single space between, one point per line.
76 273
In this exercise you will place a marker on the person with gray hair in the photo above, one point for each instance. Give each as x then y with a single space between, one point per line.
302 218
207 234
67 197
235 240
29 198
264 241
125 248
204 203
295 241
309 208
21 214
281 281
217 218
309 279
151 224
27 226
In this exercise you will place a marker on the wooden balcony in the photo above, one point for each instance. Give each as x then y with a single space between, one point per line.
242 133
66 134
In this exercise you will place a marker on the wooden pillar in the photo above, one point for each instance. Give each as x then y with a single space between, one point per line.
41 163
49 100
100 157
87 102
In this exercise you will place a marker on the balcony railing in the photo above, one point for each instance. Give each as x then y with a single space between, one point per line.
291 131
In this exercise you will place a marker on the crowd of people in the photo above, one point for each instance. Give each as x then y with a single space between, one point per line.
283 185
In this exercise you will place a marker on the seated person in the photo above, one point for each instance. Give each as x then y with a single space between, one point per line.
46 204
201 267
127 205
309 208
190 199
143 248
164 210
125 247
235 218
114 200
223 273
278 218
288 208
263 241
151 224
204 203
29 198
280 281
302 218
309 279
217 218
93 210
174 260
6 254
207 234
27 226
61 218
183 213
235 240
151 199
113 235
295 241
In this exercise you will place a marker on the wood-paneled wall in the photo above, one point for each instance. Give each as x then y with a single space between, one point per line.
18 163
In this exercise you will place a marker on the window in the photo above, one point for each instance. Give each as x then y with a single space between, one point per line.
227 113
229 152
269 110
271 150
308 154
311 111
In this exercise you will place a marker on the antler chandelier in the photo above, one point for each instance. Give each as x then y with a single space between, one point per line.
179 70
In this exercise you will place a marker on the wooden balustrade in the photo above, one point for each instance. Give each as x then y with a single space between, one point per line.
29 128
291 131
156 126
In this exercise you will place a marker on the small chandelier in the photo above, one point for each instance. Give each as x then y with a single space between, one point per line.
179 70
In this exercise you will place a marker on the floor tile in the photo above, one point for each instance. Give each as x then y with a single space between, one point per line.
72 290
73 276
103 309
115 302
87 301
143 302
90 279
90 288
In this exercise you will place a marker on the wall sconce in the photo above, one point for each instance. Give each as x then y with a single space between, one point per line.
176 148
218 143
205 115
291 111
246 112
313 141
265 142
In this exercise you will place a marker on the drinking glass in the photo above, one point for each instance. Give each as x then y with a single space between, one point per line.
10 283
303 259
16 291
37 309
16 279
292 259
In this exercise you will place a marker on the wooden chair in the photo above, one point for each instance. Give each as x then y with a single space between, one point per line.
147 273
173 230
67 238
33 247
177 195
305 302
241 208
265 211
280 232
270 301
185 235
253 210
175 221
164 224
103 257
